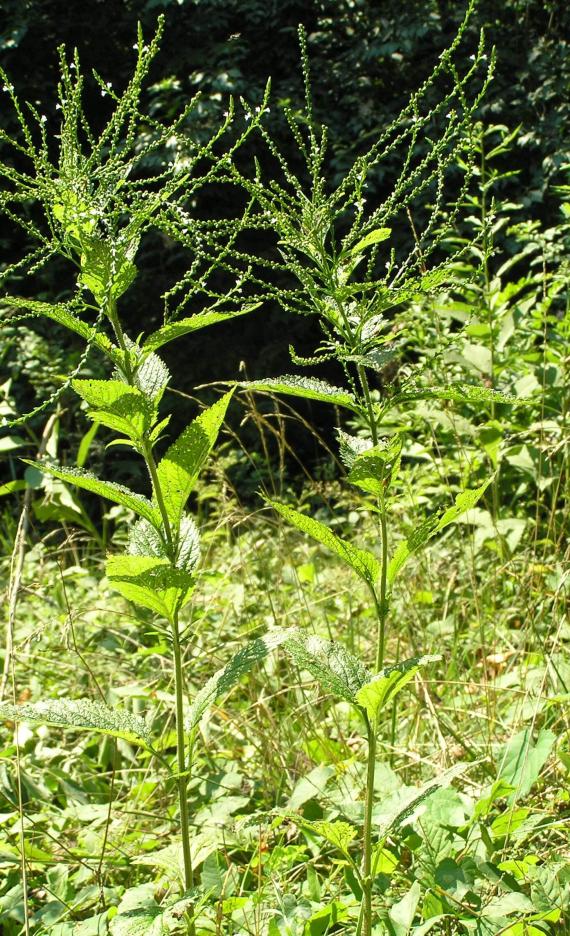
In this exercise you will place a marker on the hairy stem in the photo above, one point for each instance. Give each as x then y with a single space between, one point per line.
181 756
366 916
382 603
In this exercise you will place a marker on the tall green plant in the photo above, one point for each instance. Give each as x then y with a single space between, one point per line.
90 198
340 260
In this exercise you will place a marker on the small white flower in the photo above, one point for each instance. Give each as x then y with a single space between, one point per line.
8 87
43 119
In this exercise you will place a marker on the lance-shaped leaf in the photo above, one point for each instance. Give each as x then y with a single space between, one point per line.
305 387
81 714
375 469
382 688
337 670
151 583
388 820
375 237
458 393
117 493
117 405
363 562
230 674
430 527
178 470
63 315
186 325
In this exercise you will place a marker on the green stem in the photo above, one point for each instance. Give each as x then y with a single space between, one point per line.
369 406
181 756
382 604
366 915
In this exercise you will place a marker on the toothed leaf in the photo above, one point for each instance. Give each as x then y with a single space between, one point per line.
363 562
227 677
178 470
458 393
184 326
430 527
117 493
117 405
151 583
380 691
375 469
337 670
81 714
304 387
152 376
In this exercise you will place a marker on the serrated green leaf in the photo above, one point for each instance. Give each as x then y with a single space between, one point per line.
178 470
375 237
117 493
340 834
375 469
106 270
151 377
184 326
63 315
458 393
80 713
394 816
431 526
350 447
151 583
363 562
117 405
304 387
382 688
227 677
337 670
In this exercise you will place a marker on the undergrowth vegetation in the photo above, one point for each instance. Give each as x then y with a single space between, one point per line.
241 694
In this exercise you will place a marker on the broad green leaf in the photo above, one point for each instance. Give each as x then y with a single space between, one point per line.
117 493
63 315
337 670
430 527
523 759
363 562
340 834
184 326
375 237
458 393
391 818
381 690
117 405
350 447
375 469
80 713
145 540
150 582
402 913
227 677
139 914
106 270
305 387
183 461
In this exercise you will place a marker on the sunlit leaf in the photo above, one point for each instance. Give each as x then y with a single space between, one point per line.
179 468
306 388
380 691
184 326
433 525
117 493
335 668
81 714
374 237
